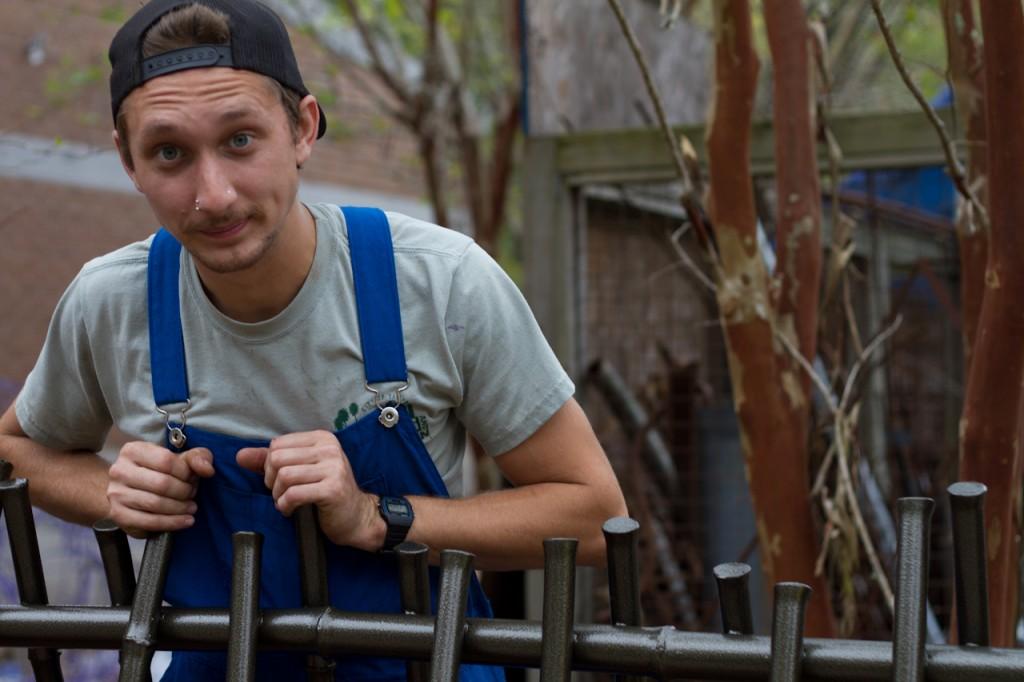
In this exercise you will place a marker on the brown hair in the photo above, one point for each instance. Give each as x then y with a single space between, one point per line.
191 25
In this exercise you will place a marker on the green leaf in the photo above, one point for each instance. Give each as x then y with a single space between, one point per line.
326 97
114 14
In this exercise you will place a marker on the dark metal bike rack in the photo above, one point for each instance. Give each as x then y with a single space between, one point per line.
436 645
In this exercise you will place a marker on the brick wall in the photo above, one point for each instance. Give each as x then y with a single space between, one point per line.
47 231
67 96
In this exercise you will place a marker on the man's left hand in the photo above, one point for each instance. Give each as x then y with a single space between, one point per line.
312 468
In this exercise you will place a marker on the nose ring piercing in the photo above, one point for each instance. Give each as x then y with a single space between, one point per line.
197 204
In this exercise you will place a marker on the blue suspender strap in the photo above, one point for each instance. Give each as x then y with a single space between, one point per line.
376 289
166 343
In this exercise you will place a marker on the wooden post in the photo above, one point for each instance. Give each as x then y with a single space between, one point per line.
549 239
551 286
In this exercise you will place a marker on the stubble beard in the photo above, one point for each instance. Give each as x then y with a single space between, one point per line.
226 261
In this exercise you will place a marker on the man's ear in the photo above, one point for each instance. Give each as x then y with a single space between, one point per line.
309 125
125 155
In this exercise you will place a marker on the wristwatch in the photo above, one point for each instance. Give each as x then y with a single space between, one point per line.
397 513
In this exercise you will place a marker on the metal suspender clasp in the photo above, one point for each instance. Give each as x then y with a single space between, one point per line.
176 432
388 416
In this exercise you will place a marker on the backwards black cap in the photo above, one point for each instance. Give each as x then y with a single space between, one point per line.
259 42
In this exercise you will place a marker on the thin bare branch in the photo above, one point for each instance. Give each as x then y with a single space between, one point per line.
685 259
956 171
652 90
836 266
472 167
390 79
432 154
863 358
369 88
690 200
502 158
823 389
433 61
851 316
826 466
858 519
842 430
463 46
307 19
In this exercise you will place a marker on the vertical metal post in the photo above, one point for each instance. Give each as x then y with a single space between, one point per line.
559 607
414 582
621 538
245 603
451 615
28 566
915 514
734 598
313 577
788 631
117 561
312 560
140 635
967 501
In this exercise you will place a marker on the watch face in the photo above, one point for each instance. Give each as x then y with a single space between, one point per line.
398 514
397 507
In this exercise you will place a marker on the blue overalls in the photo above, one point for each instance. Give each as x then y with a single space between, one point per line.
385 461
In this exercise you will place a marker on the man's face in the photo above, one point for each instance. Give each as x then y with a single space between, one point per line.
220 136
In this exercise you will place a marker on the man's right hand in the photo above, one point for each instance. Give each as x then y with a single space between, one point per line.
152 488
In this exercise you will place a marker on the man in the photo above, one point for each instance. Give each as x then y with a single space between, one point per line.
231 344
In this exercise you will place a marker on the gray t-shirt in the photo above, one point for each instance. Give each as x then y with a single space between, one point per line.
476 357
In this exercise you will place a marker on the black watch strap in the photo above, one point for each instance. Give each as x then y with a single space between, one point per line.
398 515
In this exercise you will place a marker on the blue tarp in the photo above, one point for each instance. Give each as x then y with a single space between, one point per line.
927 189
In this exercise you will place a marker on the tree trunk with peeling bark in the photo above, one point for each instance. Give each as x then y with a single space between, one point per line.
798 219
967 76
990 427
769 398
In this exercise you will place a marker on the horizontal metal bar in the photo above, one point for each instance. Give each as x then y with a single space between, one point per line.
661 652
